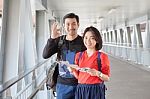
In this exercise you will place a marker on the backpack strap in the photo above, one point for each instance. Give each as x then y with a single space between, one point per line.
80 54
60 43
99 68
99 61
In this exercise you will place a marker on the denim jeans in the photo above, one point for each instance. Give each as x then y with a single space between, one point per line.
65 91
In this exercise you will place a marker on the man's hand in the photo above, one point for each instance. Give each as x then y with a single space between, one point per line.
55 31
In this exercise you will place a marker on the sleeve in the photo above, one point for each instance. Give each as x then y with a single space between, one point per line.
105 64
50 48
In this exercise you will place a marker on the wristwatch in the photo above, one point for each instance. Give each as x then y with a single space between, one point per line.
100 74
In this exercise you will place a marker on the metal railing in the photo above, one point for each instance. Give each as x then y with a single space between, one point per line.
134 53
28 83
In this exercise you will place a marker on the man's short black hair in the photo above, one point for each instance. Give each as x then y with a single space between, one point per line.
71 15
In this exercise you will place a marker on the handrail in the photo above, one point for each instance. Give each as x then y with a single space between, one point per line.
37 89
141 48
14 80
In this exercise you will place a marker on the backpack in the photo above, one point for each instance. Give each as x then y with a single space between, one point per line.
53 71
52 75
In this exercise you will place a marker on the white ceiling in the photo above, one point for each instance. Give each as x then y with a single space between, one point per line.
91 11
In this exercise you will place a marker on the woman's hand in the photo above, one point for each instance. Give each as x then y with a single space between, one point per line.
92 72
72 67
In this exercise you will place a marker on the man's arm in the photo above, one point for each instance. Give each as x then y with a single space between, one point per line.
50 48
52 43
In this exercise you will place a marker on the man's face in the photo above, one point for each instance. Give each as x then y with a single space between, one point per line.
71 26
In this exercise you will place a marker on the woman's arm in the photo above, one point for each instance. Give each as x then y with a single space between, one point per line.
102 76
94 72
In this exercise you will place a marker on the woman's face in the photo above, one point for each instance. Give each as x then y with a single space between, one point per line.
89 40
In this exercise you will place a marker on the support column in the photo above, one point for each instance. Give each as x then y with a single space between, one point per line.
108 37
26 28
121 36
147 33
115 36
146 46
104 37
134 45
115 41
134 41
42 34
2 45
41 30
139 43
139 37
118 42
128 36
10 42
28 57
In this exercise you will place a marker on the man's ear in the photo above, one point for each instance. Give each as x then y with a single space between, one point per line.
78 24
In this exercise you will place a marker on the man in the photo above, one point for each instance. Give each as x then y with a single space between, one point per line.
72 43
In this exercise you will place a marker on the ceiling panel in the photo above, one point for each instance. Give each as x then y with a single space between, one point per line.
112 11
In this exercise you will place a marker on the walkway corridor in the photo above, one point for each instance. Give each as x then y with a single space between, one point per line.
127 81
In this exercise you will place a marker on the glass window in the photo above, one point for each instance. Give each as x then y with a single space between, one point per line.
143 33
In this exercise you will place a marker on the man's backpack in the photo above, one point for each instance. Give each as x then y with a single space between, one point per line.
52 77
53 71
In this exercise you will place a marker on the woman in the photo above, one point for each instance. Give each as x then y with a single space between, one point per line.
90 79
